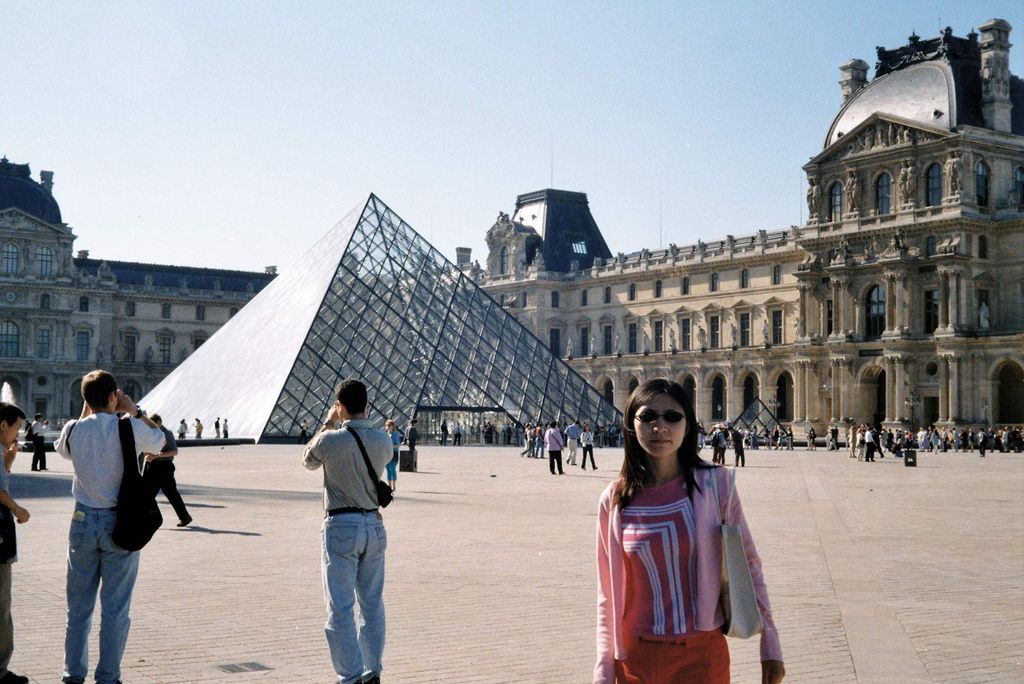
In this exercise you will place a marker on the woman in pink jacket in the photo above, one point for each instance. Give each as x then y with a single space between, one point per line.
659 554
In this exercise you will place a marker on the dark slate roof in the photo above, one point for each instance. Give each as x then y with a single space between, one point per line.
567 220
134 273
18 190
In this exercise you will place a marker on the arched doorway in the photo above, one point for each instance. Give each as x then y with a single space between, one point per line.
872 405
690 389
607 391
751 390
633 383
1009 391
784 397
718 398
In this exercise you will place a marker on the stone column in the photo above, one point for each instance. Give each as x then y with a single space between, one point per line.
890 387
954 300
836 384
811 392
704 392
943 299
954 388
890 302
799 388
943 388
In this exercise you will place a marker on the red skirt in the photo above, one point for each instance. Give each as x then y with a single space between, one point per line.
702 658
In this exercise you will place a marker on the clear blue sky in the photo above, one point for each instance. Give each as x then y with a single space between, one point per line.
234 134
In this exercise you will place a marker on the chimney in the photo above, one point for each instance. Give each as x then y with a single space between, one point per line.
270 270
46 180
855 77
462 255
82 254
995 74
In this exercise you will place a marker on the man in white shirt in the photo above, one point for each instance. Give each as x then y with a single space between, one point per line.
11 418
93 446
39 427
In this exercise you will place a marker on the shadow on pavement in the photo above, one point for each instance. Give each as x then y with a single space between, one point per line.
210 530
40 486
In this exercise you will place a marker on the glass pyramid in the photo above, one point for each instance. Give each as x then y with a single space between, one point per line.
375 301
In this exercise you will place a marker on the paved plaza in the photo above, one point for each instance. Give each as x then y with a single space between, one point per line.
877 572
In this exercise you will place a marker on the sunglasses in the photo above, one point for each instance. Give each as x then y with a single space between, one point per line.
649 416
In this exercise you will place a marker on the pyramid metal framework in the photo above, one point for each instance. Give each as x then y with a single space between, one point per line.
758 417
375 301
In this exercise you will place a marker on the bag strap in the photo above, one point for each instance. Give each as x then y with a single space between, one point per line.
127 438
366 459
724 513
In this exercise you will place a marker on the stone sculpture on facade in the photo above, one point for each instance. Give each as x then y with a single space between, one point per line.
953 170
983 317
908 183
852 188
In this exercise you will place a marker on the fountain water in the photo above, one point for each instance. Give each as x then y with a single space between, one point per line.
7 393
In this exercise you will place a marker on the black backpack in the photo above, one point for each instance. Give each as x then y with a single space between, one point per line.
138 515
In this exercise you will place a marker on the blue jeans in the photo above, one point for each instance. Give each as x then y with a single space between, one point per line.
95 563
353 568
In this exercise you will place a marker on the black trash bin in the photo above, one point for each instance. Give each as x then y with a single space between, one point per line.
407 461
910 458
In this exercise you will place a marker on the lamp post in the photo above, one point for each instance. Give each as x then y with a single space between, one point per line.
912 400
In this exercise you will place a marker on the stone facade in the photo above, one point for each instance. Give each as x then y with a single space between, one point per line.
900 301
63 315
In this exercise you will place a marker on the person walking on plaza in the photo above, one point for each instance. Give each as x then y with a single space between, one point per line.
811 436
869 444
737 445
354 539
95 563
216 427
160 473
182 429
303 431
444 432
38 445
224 428
396 441
412 436
199 429
658 614
572 437
11 418
457 435
587 441
554 443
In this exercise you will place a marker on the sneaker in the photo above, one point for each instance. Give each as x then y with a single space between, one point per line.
11 678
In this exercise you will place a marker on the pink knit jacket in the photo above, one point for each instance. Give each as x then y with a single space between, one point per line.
611 592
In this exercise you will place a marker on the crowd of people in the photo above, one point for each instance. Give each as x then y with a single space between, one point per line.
866 441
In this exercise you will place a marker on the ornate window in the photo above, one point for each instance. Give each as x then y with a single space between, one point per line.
608 295
129 348
10 339
42 343
584 341
44 261
982 247
198 340
714 282
83 304
684 287
829 318
744 279
583 298
777 326
715 330
657 288
129 309
44 302
684 337
1018 184
659 336
632 292
931 311
777 274
744 329
554 299
835 202
981 183
133 390
606 334
933 196
164 348
875 313
555 341
631 338
883 194
200 312
10 259
165 310
718 398
503 265
82 345
930 246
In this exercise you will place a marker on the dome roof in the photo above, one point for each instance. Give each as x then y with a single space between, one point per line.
924 92
18 190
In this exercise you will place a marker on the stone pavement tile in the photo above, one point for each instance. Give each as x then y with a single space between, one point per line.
491 574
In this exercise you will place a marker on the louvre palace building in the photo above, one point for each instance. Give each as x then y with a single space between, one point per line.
900 300
62 313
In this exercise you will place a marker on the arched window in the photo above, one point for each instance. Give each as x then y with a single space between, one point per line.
10 339
657 288
503 267
777 274
875 319
930 244
744 279
44 261
633 384
608 391
1018 184
714 282
750 390
44 301
981 183
685 286
690 387
554 299
883 194
718 398
933 196
10 259
835 202
982 247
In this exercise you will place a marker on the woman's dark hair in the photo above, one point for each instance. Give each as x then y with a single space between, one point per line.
636 472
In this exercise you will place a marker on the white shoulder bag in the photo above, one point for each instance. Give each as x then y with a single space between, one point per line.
739 602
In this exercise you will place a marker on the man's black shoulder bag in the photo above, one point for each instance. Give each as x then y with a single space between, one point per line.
384 493
138 515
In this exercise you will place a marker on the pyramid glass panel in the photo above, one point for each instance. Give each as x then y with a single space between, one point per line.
373 300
